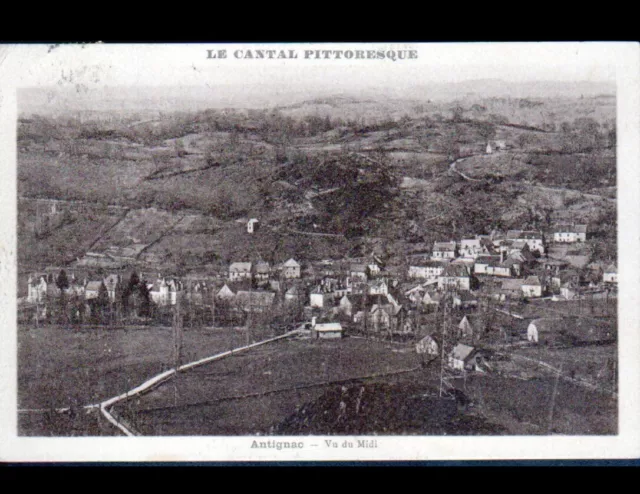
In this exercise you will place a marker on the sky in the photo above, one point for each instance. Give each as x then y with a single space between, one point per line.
80 73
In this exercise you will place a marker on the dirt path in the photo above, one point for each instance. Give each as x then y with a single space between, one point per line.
453 168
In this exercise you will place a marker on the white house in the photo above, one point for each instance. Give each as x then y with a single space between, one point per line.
261 271
426 269
427 345
455 276
464 357
318 298
291 269
240 271
253 225
444 250
570 233
378 287
534 240
471 247
37 289
531 287
225 293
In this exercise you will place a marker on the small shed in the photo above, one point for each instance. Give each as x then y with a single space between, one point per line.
329 330
252 225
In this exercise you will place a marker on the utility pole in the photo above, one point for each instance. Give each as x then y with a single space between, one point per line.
445 374
553 399
177 343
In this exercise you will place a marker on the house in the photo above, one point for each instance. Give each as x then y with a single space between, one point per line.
488 149
292 295
533 239
472 247
570 233
225 293
92 289
326 331
261 271
426 269
512 287
428 345
240 271
483 261
501 145
499 267
358 272
113 282
467 329
159 292
531 287
455 276
319 298
254 301
252 225
378 287
291 269
37 289
464 357
569 290
431 299
444 250
610 274
464 300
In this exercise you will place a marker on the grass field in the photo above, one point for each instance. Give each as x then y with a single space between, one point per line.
252 392
59 367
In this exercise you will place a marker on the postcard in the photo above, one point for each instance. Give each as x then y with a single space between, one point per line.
319 252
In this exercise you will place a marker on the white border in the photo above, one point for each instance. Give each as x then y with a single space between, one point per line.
92 66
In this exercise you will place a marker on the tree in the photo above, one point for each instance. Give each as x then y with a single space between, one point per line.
486 130
457 113
179 148
62 282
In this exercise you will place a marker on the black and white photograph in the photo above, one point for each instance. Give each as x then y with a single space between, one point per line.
321 250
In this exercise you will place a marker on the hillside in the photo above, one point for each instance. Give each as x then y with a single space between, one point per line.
326 177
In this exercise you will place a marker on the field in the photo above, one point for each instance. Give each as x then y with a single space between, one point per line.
252 392
290 387
60 367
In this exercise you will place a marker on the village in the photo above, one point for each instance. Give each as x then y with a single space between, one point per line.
467 293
